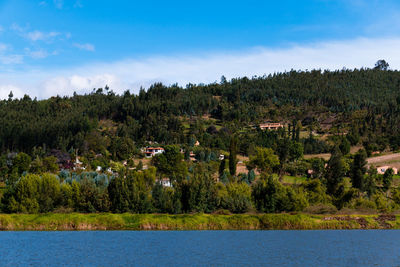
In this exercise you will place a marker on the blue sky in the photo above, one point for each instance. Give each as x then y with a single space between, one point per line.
50 47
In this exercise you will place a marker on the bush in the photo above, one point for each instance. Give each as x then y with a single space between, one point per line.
239 197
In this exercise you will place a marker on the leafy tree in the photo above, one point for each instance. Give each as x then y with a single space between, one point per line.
21 163
170 163
264 160
318 168
381 65
238 199
50 164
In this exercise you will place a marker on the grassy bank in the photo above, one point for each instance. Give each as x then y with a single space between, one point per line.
106 221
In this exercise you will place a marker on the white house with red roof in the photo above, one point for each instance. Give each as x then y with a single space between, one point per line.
152 151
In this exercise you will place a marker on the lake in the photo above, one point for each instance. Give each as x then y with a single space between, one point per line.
201 248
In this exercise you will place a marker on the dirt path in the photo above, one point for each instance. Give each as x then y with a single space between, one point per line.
392 160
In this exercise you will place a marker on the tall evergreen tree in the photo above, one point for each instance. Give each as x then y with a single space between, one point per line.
358 169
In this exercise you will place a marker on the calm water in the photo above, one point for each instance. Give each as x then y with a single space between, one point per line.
201 248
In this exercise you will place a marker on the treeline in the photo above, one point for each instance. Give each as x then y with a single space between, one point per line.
208 186
138 192
364 101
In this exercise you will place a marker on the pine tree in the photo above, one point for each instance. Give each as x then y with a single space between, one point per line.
358 169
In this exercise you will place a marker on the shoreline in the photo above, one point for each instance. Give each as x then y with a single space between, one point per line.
128 221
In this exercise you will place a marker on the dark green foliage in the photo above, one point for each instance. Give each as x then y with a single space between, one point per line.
318 168
334 172
370 181
232 155
264 160
104 129
170 163
358 169
238 199
199 192
270 196
132 193
387 179
165 200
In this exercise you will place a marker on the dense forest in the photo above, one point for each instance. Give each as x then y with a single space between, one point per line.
85 153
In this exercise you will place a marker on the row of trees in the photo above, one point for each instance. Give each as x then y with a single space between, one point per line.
366 98
196 189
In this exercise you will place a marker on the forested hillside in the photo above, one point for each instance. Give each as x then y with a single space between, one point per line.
88 150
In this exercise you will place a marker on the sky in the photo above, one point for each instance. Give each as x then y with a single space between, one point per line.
58 47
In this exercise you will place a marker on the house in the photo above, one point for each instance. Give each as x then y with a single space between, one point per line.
78 165
221 157
192 156
165 182
98 169
152 151
382 169
271 126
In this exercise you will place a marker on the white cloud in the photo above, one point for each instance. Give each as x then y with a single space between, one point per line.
16 27
38 54
11 59
7 57
36 35
87 47
41 36
205 68
6 89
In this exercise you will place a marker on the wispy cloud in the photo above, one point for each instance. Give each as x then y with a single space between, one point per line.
87 47
7 57
205 68
41 36
36 35
39 53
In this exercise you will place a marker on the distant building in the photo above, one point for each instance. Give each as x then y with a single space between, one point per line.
271 126
382 170
78 165
192 156
165 182
152 151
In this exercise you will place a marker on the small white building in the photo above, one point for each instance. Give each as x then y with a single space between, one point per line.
166 182
98 169
271 126
152 151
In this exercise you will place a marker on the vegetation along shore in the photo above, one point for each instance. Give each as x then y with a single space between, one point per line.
313 142
127 221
